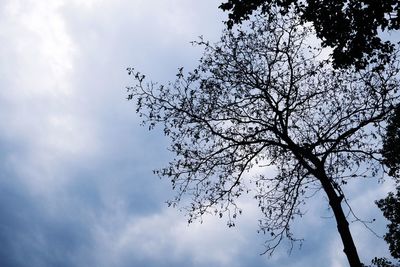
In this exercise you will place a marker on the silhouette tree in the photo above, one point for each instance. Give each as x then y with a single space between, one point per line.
351 27
391 145
262 96
390 207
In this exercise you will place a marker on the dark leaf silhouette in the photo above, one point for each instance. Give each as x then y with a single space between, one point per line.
351 27
391 145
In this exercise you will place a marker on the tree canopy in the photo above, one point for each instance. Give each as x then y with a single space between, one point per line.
350 27
390 207
260 97
391 145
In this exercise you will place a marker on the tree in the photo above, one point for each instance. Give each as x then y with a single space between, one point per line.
390 207
391 145
262 96
351 27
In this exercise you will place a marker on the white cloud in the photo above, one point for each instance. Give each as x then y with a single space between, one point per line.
167 237
38 100
337 257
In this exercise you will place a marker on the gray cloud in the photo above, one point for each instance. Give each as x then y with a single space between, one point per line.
76 187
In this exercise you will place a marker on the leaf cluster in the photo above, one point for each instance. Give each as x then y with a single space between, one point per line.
391 144
390 207
351 27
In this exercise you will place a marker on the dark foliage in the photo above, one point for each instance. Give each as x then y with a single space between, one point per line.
262 97
390 207
391 145
351 27
383 262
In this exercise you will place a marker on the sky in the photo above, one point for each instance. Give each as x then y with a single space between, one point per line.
76 181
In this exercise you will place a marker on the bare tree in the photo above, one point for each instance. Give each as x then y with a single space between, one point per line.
262 96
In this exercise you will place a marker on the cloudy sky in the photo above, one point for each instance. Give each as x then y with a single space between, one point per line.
76 182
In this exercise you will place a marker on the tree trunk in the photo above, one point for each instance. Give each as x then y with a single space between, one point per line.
342 224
